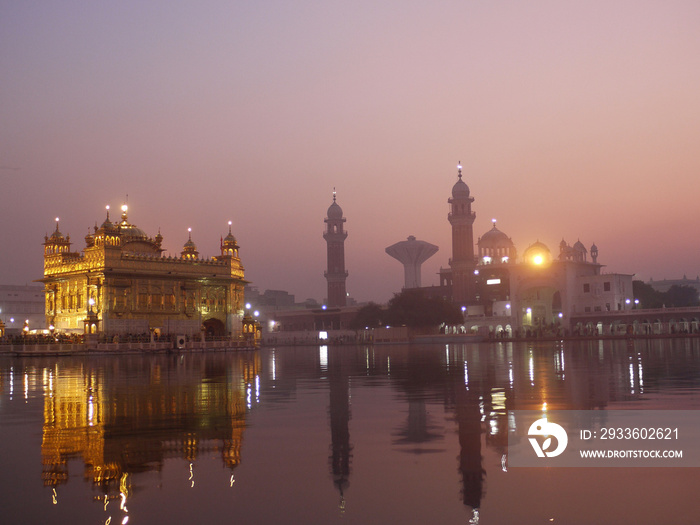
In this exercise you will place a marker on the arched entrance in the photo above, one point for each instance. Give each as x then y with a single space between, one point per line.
214 327
541 306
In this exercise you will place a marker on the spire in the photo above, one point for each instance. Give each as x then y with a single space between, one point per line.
459 170
333 193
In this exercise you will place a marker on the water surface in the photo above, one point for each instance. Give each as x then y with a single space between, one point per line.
353 435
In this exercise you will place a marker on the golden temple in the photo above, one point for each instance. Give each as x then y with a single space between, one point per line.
122 284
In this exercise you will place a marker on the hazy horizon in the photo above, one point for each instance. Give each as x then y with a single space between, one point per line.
579 122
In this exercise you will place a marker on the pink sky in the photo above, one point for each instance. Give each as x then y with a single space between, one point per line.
575 121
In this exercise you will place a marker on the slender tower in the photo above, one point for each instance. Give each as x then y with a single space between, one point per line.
335 239
461 218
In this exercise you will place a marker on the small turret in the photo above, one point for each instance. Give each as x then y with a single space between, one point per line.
56 243
189 250
229 246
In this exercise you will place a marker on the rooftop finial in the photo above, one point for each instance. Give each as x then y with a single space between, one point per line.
333 193
229 226
190 233
459 169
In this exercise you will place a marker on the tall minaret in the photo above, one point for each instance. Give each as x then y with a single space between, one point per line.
335 239
461 218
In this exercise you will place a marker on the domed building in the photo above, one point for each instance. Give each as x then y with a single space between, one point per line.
122 284
537 254
495 247
537 292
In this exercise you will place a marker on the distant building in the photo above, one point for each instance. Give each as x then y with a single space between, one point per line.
121 283
270 300
21 306
665 284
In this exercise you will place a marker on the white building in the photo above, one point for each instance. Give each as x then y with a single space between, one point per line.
20 306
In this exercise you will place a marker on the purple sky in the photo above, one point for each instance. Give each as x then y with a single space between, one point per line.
572 120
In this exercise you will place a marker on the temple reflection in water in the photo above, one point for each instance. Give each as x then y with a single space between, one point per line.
131 415
124 417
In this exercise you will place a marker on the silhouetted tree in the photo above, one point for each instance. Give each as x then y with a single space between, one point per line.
369 316
415 309
648 297
681 295
676 296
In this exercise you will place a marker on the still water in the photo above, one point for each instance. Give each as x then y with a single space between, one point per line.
348 435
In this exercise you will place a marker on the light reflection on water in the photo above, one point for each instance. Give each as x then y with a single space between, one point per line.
385 434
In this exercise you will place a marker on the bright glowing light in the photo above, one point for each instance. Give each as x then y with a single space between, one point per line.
230 223
493 221
538 259
487 259
56 219
493 281
189 230
529 310
476 272
323 307
627 301
256 313
561 315
247 305
323 357
323 335
508 306
124 207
